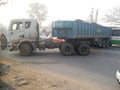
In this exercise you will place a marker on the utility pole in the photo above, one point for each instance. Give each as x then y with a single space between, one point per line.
96 17
91 16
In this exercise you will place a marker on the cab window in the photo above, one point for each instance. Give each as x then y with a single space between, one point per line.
17 26
27 24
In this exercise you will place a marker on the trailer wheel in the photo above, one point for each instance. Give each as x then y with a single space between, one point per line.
110 44
107 44
100 43
104 44
84 49
25 49
67 49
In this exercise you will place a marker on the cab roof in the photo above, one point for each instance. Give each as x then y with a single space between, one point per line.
23 20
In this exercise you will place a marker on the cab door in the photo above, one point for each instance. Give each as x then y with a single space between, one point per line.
16 31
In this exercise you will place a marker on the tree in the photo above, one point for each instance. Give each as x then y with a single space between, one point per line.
38 11
3 2
113 16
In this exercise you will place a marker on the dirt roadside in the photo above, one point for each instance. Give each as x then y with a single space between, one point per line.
23 77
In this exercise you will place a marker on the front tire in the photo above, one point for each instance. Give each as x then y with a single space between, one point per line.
104 44
25 50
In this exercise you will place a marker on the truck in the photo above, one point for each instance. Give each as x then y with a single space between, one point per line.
75 36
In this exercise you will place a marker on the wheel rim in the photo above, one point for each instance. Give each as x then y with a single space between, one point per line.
67 49
100 42
107 44
84 49
24 50
104 44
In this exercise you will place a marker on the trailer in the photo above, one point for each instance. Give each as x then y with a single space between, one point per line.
80 35
76 36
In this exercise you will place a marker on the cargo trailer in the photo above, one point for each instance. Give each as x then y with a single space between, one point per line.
95 34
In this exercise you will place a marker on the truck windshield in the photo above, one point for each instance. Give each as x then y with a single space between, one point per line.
17 26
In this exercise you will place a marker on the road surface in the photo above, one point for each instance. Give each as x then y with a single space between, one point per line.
99 67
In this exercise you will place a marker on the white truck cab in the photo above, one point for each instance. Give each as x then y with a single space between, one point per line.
23 34
22 29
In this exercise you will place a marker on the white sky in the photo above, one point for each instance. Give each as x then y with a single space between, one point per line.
58 9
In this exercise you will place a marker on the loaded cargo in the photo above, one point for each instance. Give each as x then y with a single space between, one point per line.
76 36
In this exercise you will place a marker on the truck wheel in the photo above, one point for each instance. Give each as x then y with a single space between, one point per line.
104 44
84 49
100 43
25 50
107 44
67 49
110 44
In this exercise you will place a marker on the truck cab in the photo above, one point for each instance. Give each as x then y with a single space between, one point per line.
23 33
22 29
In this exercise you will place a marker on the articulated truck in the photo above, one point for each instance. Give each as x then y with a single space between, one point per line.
75 36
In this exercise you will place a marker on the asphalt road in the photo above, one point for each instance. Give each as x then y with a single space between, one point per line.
99 67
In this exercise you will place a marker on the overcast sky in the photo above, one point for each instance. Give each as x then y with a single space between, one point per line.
58 9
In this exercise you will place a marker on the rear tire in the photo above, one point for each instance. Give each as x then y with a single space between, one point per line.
104 44
107 44
25 49
67 49
100 43
110 44
84 50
